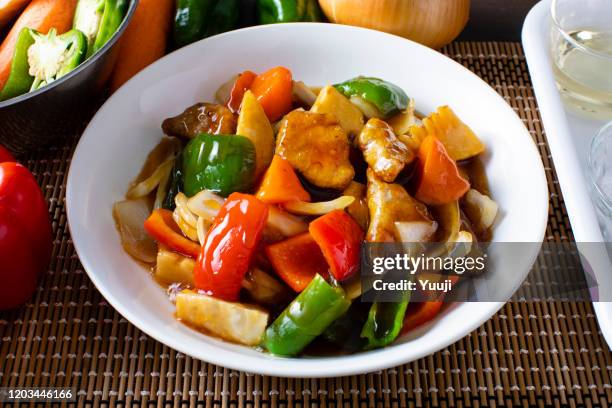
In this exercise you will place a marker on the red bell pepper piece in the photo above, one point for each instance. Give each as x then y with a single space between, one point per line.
243 83
161 226
339 238
229 246
5 155
280 184
297 260
25 234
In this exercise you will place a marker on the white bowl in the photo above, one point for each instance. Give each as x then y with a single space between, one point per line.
127 127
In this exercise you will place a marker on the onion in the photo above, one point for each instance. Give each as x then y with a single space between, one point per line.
202 229
205 204
222 96
480 209
320 208
287 224
303 94
130 216
430 22
415 231
368 110
149 184
189 231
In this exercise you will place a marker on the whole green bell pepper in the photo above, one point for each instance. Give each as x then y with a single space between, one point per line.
310 313
197 19
19 80
99 20
387 98
288 11
384 322
220 163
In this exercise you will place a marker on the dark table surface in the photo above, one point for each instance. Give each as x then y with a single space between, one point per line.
496 20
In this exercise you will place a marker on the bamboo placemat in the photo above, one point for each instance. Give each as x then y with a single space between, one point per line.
528 354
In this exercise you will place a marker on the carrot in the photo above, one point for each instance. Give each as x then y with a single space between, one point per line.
439 181
40 15
273 90
297 260
9 10
280 184
144 40
243 83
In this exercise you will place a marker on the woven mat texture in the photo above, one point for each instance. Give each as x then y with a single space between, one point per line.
528 354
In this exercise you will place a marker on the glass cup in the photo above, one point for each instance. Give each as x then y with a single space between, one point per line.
600 172
581 48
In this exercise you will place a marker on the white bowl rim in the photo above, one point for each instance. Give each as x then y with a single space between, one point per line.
359 363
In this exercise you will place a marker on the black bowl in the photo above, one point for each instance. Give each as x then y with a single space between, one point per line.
48 114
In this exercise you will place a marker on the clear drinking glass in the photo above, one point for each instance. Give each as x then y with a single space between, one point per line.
600 171
581 46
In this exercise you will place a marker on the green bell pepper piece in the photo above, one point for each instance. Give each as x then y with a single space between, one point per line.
220 163
386 97
384 322
99 20
197 19
310 313
52 56
288 11
175 183
19 80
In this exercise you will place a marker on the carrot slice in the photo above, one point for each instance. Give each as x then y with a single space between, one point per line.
243 83
9 10
280 184
144 40
273 90
297 260
40 15
439 181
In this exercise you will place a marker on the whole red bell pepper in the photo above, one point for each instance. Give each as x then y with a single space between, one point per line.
25 233
339 237
229 246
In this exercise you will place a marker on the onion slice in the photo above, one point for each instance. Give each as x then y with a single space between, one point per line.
320 208
146 186
130 216
285 223
205 204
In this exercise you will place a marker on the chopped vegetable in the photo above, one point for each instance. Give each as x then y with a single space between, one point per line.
316 146
297 260
288 11
206 205
39 15
480 209
303 95
220 163
130 216
334 103
388 204
438 175
359 208
229 246
99 20
448 218
415 231
185 219
201 118
273 90
382 150
339 238
384 322
420 313
287 224
240 86
310 313
403 121
254 125
459 140
263 288
175 183
161 226
145 187
387 98
320 208
280 184
19 80
144 41
174 268
231 321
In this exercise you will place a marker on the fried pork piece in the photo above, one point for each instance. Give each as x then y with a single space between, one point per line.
382 150
317 146
388 204
201 118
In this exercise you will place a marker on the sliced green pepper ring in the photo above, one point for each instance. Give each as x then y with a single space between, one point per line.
99 20
387 98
